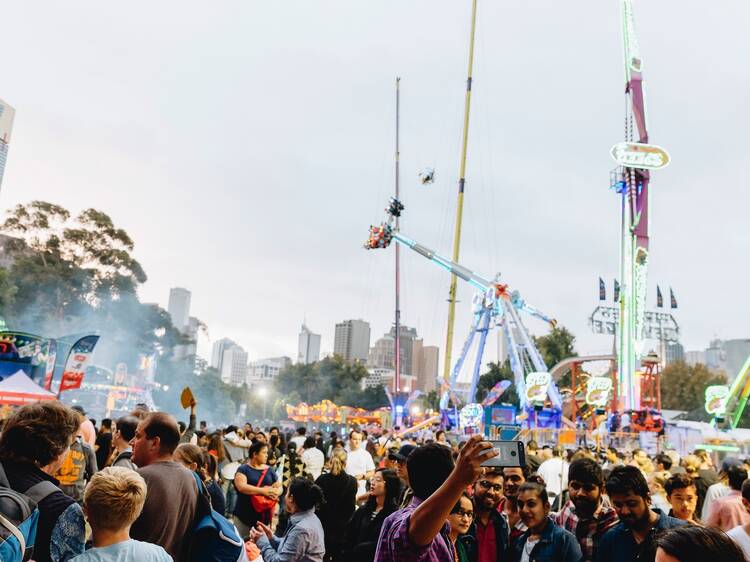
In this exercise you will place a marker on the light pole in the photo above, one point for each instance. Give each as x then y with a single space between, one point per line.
262 394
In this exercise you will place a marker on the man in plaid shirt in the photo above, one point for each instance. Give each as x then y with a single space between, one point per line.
587 514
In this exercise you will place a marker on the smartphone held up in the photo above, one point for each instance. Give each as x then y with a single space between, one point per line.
509 454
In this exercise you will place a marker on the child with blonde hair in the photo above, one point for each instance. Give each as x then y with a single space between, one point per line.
112 501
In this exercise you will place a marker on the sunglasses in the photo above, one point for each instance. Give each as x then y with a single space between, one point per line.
489 486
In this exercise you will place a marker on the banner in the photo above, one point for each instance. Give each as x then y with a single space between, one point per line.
717 397
78 359
659 298
672 300
51 358
617 291
536 387
602 290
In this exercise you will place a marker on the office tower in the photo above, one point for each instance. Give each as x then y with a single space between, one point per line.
352 340
179 308
6 126
308 346
217 352
265 370
234 366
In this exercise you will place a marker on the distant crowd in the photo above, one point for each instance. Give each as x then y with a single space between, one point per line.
135 488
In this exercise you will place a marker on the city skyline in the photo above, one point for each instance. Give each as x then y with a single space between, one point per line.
198 172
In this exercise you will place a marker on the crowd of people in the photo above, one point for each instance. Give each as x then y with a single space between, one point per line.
130 489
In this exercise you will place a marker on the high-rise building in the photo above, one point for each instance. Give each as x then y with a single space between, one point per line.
736 353
189 351
308 346
727 355
6 127
673 351
383 352
217 352
352 340
265 370
234 366
382 376
179 308
428 367
694 357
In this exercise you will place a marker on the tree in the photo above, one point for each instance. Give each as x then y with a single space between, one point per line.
556 346
498 372
683 386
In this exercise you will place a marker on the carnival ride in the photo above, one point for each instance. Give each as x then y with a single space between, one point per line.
631 181
494 306
727 403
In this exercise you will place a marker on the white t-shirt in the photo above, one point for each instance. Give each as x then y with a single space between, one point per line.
741 539
125 551
314 461
298 440
359 462
554 471
528 547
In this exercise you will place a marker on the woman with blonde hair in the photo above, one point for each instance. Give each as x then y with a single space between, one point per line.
339 491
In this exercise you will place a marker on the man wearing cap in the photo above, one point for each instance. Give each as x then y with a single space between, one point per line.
87 431
400 458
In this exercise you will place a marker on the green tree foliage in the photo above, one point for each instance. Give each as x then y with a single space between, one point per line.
333 379
683 386
498 372
559 344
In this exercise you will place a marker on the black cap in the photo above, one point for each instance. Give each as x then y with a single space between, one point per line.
78 409
402 453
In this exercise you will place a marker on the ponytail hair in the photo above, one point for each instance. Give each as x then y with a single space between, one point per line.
305 493
338 461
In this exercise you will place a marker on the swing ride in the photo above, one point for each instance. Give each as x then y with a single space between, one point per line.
495 306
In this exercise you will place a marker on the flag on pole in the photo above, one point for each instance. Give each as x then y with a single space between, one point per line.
602 290
672 300
659 298
617 291
79 358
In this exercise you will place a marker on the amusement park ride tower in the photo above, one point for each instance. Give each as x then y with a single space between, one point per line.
631 181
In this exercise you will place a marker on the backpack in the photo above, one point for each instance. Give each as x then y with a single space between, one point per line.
215 538
19 516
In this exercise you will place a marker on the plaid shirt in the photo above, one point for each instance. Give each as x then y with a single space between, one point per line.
588 531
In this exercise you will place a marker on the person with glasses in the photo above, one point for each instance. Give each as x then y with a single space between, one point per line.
460 520
490 528
364 528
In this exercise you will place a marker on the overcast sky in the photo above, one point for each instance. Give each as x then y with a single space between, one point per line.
247 146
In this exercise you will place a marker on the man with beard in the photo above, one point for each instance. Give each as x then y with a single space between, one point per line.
490 530
632 538
587 514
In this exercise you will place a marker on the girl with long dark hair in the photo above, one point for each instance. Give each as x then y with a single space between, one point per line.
364 529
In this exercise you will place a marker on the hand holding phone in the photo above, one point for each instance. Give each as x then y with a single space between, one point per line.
508 454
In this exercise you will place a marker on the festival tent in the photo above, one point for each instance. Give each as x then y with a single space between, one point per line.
18 389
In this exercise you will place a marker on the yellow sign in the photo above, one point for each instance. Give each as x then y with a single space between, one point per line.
186 398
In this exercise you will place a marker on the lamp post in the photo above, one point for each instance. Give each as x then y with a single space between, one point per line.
262 394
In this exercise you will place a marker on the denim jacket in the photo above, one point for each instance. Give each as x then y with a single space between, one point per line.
302 541
555 545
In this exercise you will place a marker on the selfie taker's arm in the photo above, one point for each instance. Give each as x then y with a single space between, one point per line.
427 520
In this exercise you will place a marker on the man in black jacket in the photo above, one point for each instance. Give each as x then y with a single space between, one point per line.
490 528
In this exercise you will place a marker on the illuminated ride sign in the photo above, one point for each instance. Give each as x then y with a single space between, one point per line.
471 415
716 400
597 391
536 387
637 155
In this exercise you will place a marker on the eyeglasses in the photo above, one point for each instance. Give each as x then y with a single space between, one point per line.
489 486
462 513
